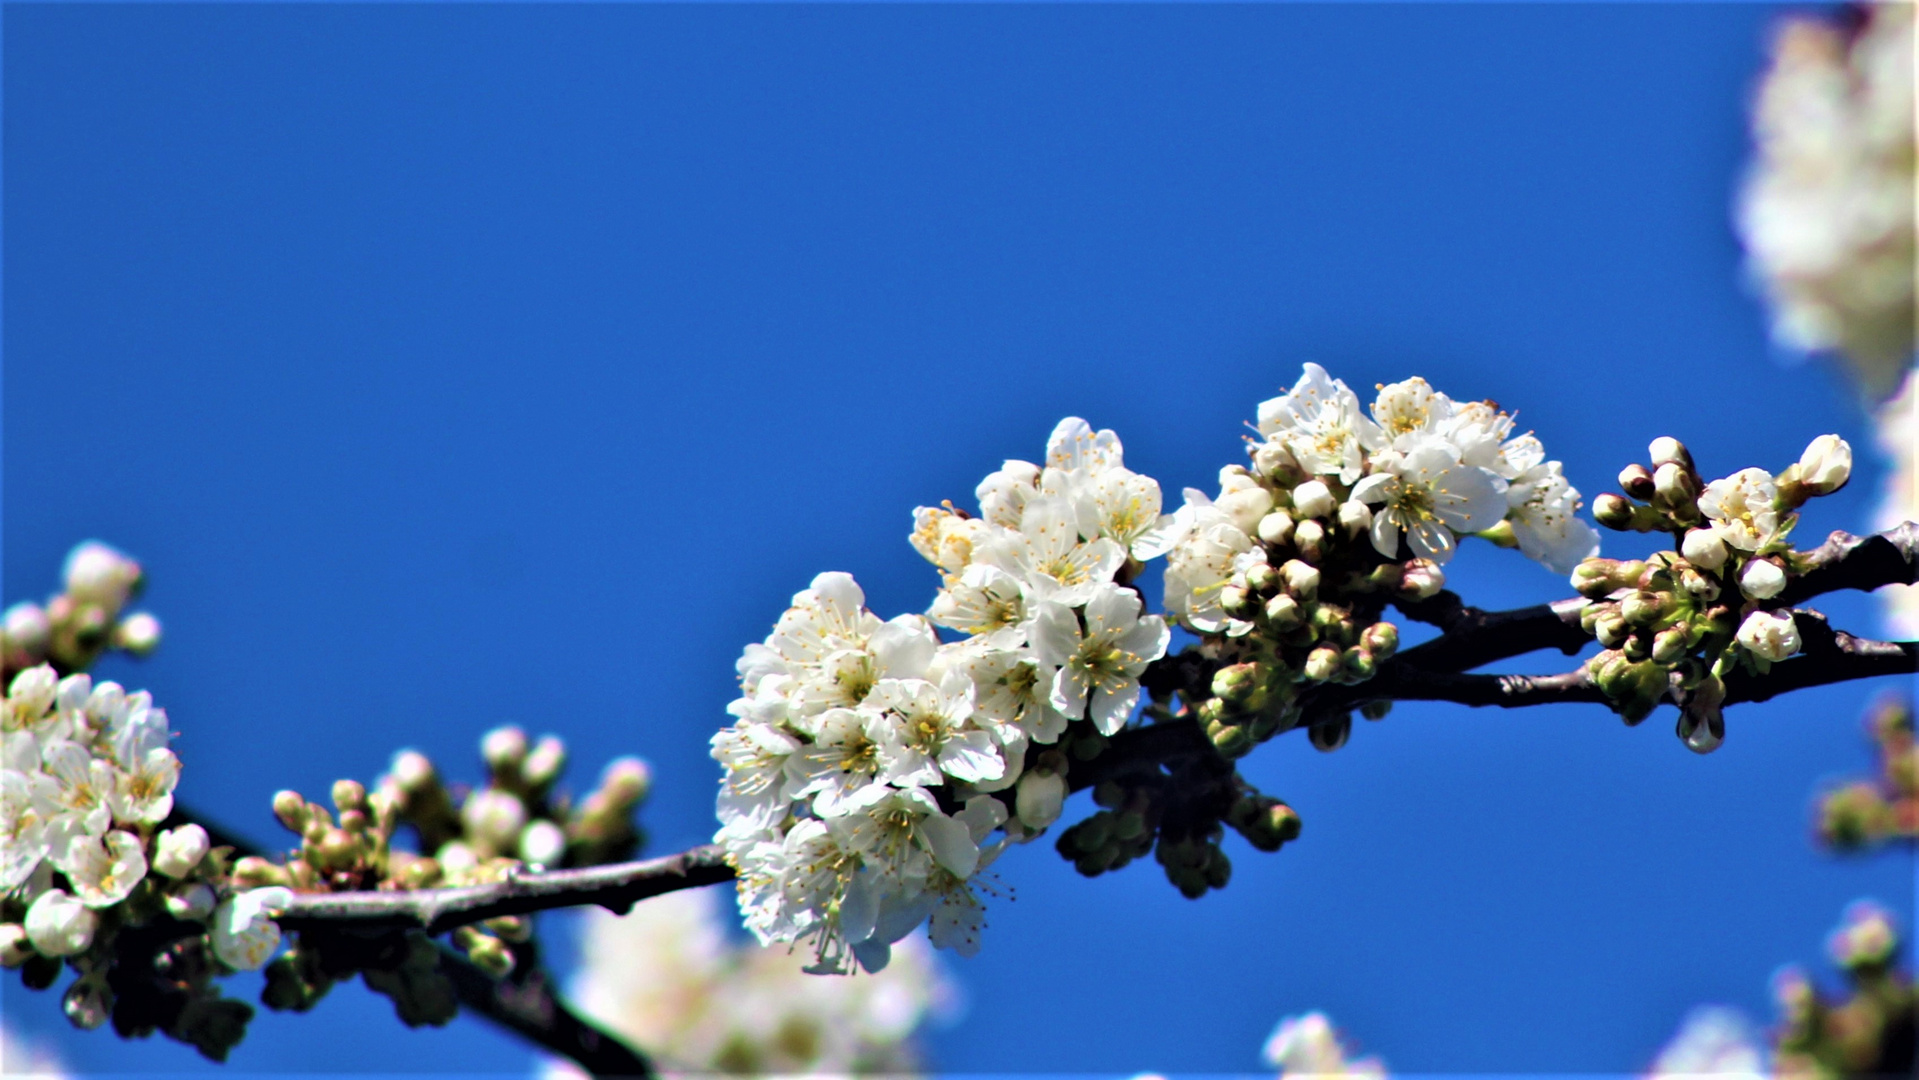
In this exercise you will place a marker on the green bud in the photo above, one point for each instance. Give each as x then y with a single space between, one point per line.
1231 740
1596 578
1236 601
1332 735
1109 794
1282 822
253 872
1376 710
1357 665
1213 711
1669 644
1219 869
545 763
1644 609
1613 511
291 809
1130 826
1237 682
1381 639
1611 629
1638 646
1263 579
489 954
349 795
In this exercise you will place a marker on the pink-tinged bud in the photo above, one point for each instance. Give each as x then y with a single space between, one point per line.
27 630
98 574
1704 548
412 771
1826 465
543 844
138 633
1323 663
1636 481
1422 579
503 748
1762 579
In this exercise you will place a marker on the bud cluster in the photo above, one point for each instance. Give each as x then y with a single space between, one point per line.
1884 808
1866 1032
464 837
1679 621
85 619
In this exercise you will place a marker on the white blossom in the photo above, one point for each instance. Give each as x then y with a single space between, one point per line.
1542 508
931 735
1202 562
1100 665
1426 494
1003 495
1827 212
1307 1046
1048 555
1769 635
1742 508
947 539
1410 409
1320 423
25 803
1012 691
244 934
102 870
985 601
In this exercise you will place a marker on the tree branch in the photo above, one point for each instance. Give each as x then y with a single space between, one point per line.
1846 561
616 887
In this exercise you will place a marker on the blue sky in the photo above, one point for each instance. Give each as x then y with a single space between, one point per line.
456 365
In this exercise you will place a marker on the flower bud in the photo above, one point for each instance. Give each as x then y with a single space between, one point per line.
1636 481
59 925
494 818
412 771
1355 518
27 629
1769 635
349 795
545 763
1357 665
626 782
1381 639
1309 537
192 903
1302 580
1595 578
1866 939
1332 735
1313 499
1669 644
138 633
1244 504
542 843
504 748
1826 465
1236 601
1263 578
1643 609
1038 798
1611 628
1668 450
1674 485
1273 460
253 871
1236 682
291 809
1697 585
1421 579
15 948
1613 511
177 851
1323 663
1276 527
98 574
1231 740
1762 579
1283 612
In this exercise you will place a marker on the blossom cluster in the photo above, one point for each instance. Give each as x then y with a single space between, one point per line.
1680 620
666 977
88 779
861 773
85 619
1884 808
1345 507
1827 210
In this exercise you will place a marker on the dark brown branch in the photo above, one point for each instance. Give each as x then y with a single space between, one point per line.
616 887
1846 561
525 1003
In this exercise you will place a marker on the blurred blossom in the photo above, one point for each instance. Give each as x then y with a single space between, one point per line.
1303 1046
667 978
1827 209
1898 422
21 1058
1714 1041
